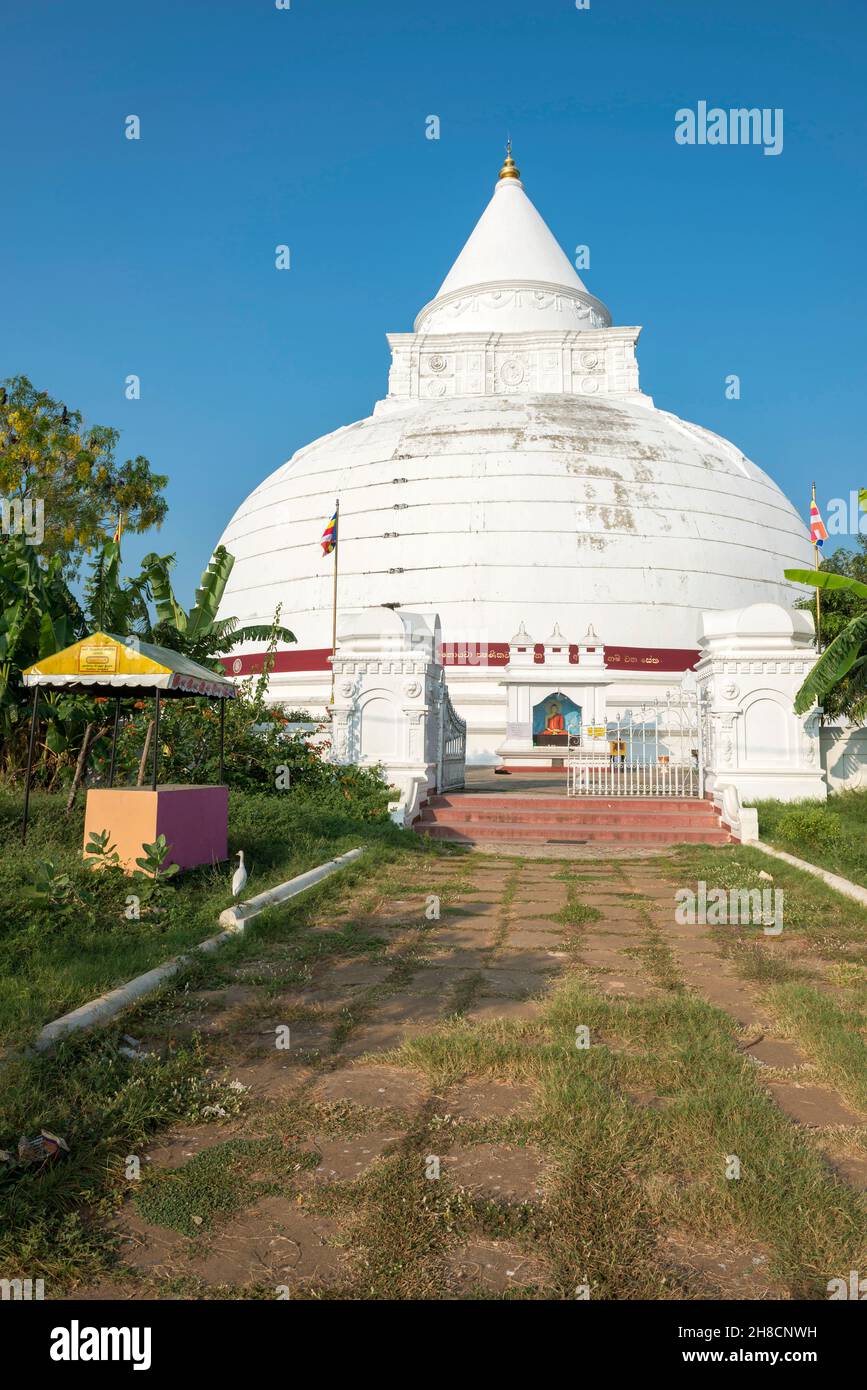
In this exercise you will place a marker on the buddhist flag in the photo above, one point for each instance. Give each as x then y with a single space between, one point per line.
818 534
118 530
329 536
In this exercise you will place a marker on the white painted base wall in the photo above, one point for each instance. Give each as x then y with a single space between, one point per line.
844 756
476 693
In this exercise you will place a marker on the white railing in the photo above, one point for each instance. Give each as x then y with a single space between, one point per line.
654 748
453 747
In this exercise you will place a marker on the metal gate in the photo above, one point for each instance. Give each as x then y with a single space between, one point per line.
651 748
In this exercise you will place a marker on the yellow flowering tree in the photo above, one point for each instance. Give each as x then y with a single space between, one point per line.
50 457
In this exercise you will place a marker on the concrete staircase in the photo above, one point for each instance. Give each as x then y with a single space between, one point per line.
571 820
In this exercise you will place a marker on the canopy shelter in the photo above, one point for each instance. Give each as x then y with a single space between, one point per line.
103 664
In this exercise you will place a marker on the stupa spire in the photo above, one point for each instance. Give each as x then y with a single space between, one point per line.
512 275
510 169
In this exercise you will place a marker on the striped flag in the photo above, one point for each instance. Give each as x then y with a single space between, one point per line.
329 536
818 534
118 530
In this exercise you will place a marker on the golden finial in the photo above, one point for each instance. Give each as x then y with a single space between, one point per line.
510 169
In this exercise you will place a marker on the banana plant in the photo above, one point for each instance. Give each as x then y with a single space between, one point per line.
38 616
200 633
845 659
114 606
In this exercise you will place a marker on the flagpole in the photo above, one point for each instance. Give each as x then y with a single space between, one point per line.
334 600
818 591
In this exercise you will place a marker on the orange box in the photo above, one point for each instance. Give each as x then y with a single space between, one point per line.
194 820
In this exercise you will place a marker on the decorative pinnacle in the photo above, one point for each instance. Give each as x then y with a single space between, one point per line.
510 169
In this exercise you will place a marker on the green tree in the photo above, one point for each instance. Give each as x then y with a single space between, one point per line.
47 453
838 681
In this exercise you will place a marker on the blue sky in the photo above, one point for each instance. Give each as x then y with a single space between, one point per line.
307 127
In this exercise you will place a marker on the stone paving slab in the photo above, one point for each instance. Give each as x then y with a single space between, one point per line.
460 959
490 1010
543 962
349 974
597 936
381 1088
440 979
497 1172
726 1270
592 853
494 1267
611 957
276 1075
344 1160
411 1006
627 987
771 1052
379 1037
273 1243
487 1099
519 939
812 1106
474 936
513 982
852 1170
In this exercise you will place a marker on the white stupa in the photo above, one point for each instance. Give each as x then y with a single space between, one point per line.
514 478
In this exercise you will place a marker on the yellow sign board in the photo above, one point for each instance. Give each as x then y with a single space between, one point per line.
97 660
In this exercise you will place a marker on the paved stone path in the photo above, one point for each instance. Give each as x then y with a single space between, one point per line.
490 958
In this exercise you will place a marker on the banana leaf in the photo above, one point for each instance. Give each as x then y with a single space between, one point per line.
825 579
158 571
843 655
209 593
258 632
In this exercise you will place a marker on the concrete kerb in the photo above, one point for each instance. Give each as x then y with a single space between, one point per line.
835 881
236 917
234 920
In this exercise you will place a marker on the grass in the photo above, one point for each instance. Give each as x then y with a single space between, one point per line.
832 834
823 920
833 1035
54 958
818 924
107 1106
627 1175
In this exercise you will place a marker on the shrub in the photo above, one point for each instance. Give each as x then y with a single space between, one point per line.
261 754
810 827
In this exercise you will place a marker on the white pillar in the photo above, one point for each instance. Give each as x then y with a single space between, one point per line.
753 662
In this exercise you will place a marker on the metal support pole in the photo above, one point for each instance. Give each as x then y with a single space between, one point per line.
222 777
31 745
114 742
700 708
156 752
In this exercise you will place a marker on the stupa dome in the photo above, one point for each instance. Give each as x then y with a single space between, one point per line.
518 508
516 477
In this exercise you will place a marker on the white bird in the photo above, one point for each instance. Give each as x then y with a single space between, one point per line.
239 882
